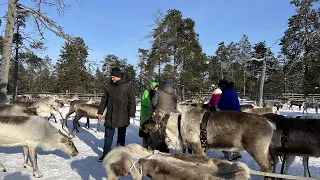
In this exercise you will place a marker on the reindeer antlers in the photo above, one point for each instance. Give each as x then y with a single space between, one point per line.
201 99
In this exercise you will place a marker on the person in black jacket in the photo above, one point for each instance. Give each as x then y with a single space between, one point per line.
119 99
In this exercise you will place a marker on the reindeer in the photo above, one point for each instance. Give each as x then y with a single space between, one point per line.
46 105
32 132
261 111
307 105
72 109
141 162
24 104
302 138
16 110
225 130
295 103
88 111
162 166
119 161
68 100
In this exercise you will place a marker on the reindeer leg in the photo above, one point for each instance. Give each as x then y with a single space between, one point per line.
50 117
98 128
2 168
65 120
261 156
88 123
33 154
26 156
288 163
75 125
54 117
197 149
306 172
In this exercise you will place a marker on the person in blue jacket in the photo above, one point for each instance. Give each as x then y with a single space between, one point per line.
229 101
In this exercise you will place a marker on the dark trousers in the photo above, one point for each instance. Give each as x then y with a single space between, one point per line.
108 138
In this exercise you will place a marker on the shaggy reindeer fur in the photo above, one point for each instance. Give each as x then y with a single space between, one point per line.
15 110
161 166
303 137
88 111
140 162
72 109
172 133
119 161
32 132
246 106
46 105
226 130
261 111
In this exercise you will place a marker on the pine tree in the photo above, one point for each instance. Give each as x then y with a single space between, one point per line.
72 72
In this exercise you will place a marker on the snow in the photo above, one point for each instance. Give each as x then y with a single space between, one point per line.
58 165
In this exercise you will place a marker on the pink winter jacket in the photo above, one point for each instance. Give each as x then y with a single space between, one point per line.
215 97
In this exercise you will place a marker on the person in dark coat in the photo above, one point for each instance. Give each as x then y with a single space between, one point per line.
119 99
166 99
229 101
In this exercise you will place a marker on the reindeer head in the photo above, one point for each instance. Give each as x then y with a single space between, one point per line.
155 123
67 145
58 103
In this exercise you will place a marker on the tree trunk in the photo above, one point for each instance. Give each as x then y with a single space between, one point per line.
16 67
221 70
244 82
263 76
5 62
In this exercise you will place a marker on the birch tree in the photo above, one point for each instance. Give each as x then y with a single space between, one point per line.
42 22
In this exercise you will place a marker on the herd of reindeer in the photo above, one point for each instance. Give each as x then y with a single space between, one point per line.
261 131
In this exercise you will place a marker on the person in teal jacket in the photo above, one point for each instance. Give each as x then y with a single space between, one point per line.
146 109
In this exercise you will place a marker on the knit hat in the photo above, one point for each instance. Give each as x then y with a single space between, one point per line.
116 72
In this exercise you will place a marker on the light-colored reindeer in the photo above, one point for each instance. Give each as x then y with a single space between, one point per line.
32 132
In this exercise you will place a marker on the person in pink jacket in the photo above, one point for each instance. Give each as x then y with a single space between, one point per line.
215 97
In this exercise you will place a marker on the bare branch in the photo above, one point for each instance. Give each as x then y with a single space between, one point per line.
46 22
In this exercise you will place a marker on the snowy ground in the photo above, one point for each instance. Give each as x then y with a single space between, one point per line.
58 165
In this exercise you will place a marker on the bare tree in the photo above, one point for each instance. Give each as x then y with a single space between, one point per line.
42 22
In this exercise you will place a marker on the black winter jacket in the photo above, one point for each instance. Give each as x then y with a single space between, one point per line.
120 101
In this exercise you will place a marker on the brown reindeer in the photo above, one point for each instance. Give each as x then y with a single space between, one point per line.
301 135
72 109
88 111
225 130
160 166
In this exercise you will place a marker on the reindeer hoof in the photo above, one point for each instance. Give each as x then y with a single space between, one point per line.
28 166
37 175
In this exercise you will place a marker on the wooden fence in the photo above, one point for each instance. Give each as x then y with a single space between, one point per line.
207 95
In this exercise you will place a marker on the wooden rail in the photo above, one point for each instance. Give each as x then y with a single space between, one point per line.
267 96
283 176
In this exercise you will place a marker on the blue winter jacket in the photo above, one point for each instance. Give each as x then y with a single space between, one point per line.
229 101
